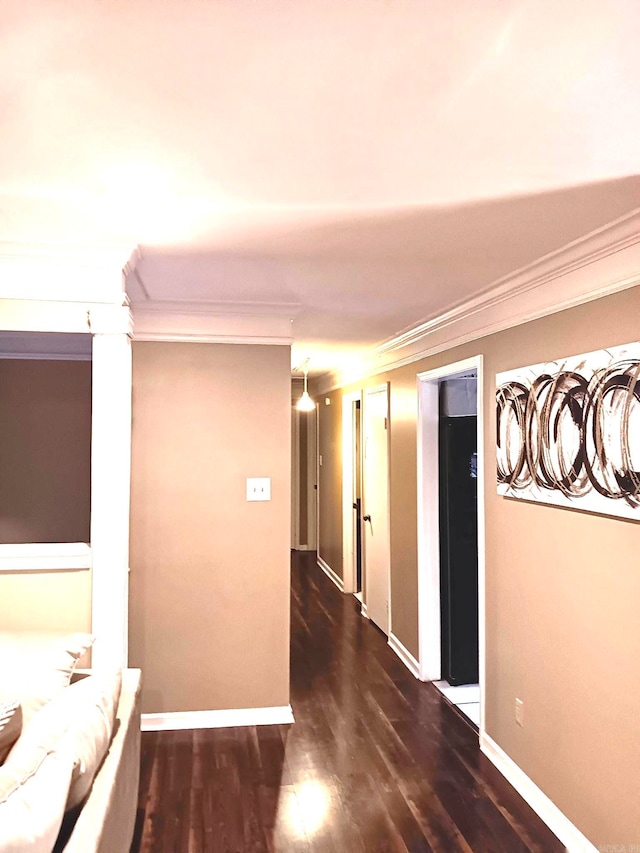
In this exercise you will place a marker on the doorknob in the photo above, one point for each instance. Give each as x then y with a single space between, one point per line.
366 518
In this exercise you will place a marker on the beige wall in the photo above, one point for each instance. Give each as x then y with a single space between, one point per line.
45 451
562 590
209 610
57 601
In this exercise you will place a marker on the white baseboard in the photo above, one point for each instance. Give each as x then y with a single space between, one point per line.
547 810
405 655
364 610
326 568
277 715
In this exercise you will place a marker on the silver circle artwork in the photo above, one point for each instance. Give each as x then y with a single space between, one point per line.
569 432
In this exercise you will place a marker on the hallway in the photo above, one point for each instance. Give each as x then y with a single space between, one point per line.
376 761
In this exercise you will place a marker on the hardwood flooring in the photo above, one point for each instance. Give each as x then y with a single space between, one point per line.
376 760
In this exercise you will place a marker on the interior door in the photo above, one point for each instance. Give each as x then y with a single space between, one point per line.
312 480
377 552
357 493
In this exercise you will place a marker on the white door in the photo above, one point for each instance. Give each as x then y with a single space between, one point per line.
312 480
377 552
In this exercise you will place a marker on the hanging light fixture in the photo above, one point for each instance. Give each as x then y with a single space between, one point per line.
305 403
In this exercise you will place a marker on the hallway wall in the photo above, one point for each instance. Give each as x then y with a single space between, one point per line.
562 587
209 613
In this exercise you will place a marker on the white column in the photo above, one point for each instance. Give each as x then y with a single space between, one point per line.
110 487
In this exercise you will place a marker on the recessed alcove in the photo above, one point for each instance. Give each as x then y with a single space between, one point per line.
45 438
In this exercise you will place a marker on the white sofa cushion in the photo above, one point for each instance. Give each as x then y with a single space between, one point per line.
33 791
80 719
35 667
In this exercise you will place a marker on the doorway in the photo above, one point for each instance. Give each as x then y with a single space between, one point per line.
352 556
451 532
457 460
304 477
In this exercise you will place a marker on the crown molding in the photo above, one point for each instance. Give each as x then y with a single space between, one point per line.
601 263
207 327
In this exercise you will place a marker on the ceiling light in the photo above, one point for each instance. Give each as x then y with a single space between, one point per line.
305 403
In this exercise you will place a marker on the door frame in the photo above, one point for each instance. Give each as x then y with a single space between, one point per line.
429 640
348 489
376 389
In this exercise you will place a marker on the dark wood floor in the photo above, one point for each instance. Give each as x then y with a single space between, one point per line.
376 760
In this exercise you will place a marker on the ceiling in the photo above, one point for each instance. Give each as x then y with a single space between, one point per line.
357 166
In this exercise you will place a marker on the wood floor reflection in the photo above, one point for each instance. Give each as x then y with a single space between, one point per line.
376 760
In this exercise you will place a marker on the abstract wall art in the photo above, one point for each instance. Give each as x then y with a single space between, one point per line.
568 432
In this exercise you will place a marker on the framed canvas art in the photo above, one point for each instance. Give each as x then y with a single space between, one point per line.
568 432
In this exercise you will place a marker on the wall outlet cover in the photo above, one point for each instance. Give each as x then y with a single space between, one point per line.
258 488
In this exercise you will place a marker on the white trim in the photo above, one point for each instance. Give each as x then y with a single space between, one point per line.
429 639
271 716
25 315
543 271
482 550
348 481
110 320
429 643
446 371
601 263
110 485
547 810
76 289
364 611
326 568
211 324
48 557
405 655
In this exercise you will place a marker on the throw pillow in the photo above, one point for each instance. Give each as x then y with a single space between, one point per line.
35 667
32 798
80 719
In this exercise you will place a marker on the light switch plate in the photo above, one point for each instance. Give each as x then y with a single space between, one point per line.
258 488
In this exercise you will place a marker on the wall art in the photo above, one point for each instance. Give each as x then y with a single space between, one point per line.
568 432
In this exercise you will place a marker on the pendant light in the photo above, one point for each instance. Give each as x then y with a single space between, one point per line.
305 403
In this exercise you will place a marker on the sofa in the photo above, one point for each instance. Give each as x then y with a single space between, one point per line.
69 748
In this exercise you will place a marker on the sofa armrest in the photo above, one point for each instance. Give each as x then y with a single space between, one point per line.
107 819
